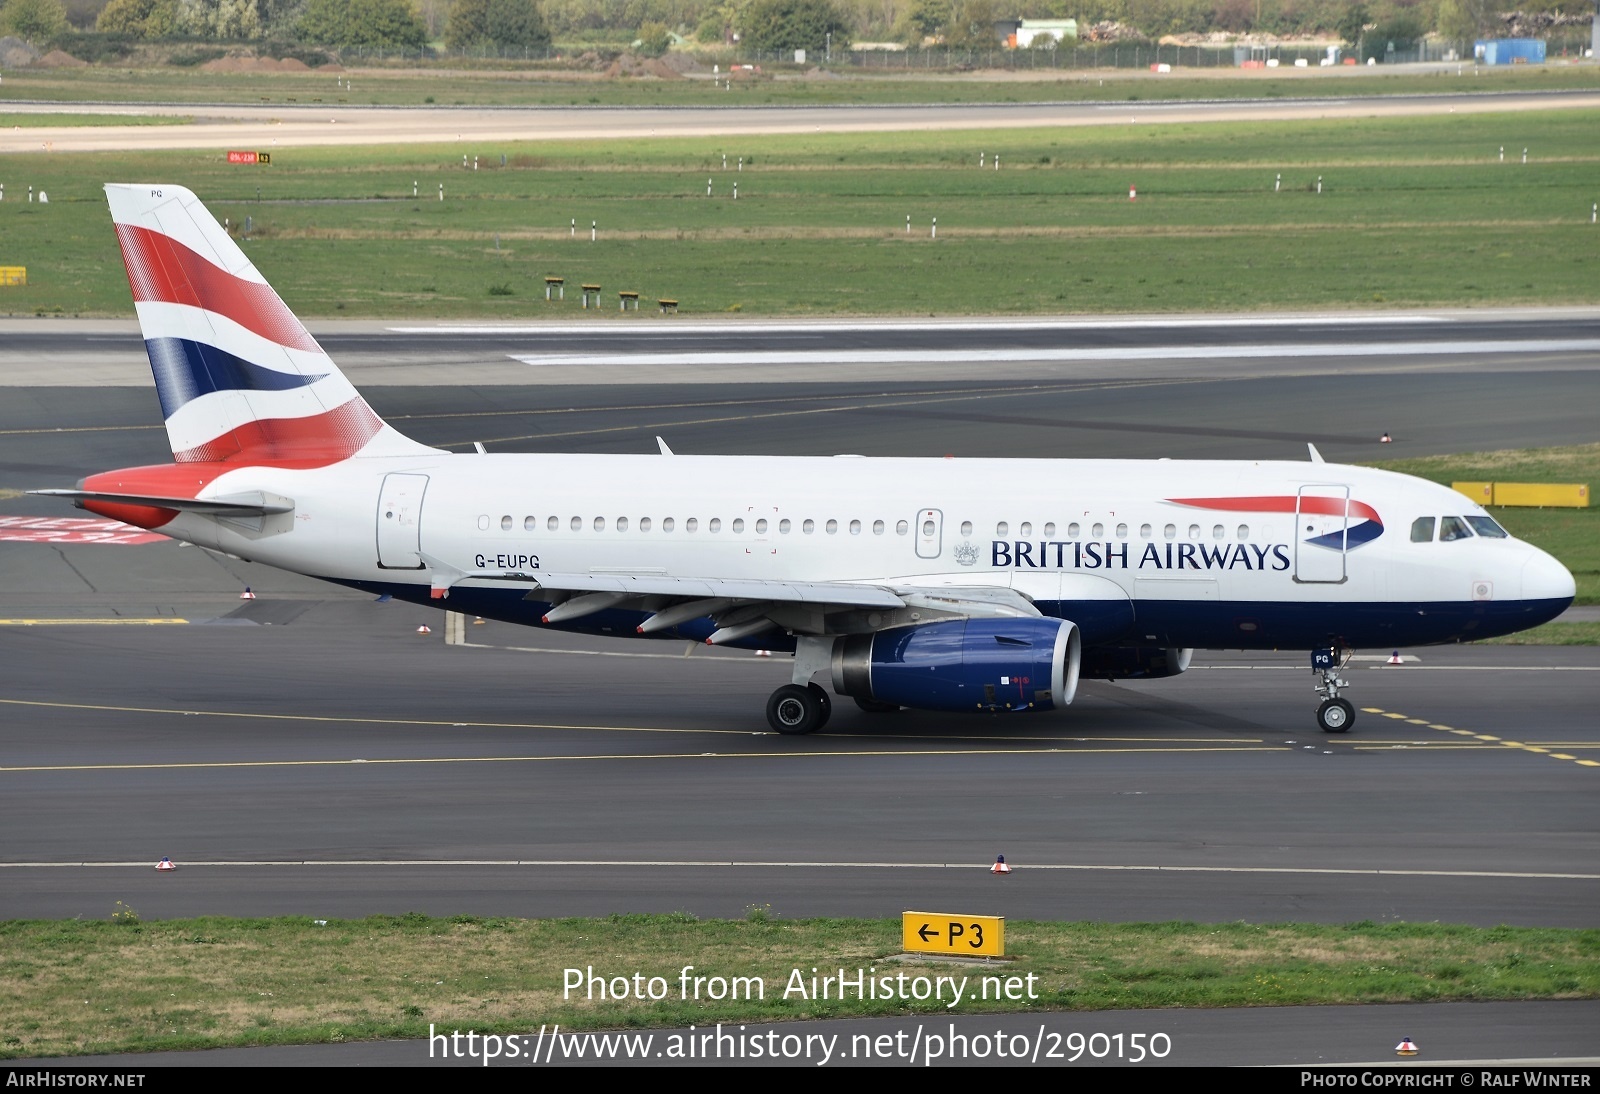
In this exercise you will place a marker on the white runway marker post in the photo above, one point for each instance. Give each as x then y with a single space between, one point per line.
934 233
1278 185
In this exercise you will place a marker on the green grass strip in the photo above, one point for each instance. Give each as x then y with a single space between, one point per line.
125 985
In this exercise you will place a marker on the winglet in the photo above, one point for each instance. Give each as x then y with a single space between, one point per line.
1316 457
665 451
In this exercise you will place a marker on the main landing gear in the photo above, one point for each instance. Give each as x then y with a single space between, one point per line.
799 708
1335 715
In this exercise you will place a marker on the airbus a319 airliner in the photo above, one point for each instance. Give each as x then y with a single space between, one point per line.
978 585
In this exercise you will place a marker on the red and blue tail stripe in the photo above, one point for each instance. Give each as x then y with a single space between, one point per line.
240 379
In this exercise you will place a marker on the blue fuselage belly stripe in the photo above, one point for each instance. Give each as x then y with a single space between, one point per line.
1233 625
186 369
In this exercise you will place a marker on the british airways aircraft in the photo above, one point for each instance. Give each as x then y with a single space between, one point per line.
956 585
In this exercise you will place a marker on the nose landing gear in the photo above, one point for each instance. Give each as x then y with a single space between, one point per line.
1335 715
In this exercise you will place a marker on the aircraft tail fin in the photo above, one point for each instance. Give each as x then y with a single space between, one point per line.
239 377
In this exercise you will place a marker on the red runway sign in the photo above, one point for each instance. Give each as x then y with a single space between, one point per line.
71 530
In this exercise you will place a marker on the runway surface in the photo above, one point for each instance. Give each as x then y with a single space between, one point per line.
285 125
307 752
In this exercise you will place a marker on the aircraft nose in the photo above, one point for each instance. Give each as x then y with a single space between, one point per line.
1543 578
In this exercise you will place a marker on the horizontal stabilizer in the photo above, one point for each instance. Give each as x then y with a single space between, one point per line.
256 503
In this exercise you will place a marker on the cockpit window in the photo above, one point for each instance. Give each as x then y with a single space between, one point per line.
1422 530
1453 528
1487 528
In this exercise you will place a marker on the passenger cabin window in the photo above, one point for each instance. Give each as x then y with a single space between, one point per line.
855 528
644 524
1451 528
577 524
1487 528
761 525
902 528
1073 530
622 524
1026 529
666 524
833 526
784 526
1050 529
554 523
599 524
714 524
809 526
1244 531
1422 530
1098 531
877 527
1144 531
966 527
1002 529
529 524
1122 531
505 523
1170 531
1218 532
738 524
692 524
483 522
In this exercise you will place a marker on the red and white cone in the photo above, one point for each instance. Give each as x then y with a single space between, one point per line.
247 594
164 865
1396 659
1405 1047
1133 193
424 629
1386 439
763 653
1000 866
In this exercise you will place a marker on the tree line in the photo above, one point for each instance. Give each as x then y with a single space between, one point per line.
652 25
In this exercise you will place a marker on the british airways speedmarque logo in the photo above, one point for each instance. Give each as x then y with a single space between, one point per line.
1362 523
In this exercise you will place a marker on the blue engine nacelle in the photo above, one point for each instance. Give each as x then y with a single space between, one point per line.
1134 663
963 664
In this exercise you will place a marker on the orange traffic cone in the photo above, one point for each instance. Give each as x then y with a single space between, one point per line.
247 594
1405 1047
1396 659
424 629
1000 866
165 865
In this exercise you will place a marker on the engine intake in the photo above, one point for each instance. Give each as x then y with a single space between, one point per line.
963 665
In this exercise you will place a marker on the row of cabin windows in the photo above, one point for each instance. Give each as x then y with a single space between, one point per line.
831 527
690 524
1453 528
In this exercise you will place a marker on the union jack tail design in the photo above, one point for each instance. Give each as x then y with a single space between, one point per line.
240 379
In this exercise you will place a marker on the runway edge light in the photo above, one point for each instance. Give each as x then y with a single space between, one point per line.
1396 659
165 864
423 628
1405 1047
1000 866
247 594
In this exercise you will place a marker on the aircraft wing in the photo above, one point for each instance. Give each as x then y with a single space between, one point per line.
746 589
744 607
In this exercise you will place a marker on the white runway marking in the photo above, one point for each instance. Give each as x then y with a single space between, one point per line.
1199 322
1061 354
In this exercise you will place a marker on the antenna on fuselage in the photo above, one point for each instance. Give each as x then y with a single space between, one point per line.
665 451
1316 457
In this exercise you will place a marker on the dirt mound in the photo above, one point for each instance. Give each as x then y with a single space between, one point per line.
242 63
57 59
15 53
682 63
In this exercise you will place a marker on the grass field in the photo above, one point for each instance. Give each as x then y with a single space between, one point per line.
123 985
557 85
1412 211
18 120
1572 535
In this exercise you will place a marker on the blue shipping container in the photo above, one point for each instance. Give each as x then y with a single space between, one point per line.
1510 51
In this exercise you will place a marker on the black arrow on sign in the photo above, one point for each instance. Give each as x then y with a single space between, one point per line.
922 932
